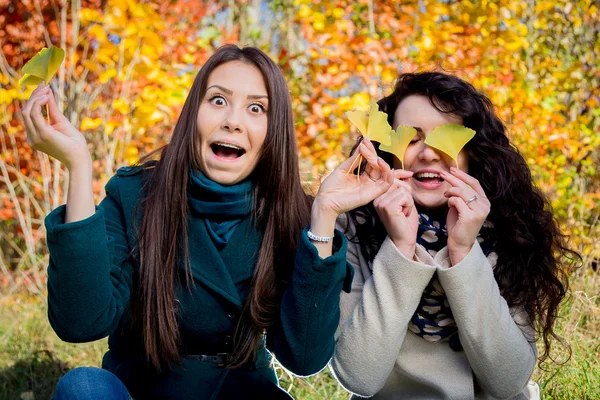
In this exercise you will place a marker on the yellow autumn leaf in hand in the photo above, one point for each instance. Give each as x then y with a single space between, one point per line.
42 67
401 137
375 126
450 139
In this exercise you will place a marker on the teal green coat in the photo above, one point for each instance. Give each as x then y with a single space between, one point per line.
91 278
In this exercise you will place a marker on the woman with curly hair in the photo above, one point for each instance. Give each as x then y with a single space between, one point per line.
458 270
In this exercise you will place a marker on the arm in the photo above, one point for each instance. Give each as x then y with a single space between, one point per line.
303 340
500 347
89 276
375 316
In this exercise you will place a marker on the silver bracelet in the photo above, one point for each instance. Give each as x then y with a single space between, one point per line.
316 238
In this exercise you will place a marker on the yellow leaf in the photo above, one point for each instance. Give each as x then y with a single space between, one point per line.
98 32
90 123
121 106
450 139
401 137
30 80
43 65
107 75
375 127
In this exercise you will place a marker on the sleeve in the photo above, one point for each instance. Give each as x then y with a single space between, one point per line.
303 338
499 344
89 275
375 316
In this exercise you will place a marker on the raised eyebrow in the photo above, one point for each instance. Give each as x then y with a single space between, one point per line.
418 129
230 92
257 96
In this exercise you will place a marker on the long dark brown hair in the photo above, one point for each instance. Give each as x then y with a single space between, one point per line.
280 211
533 256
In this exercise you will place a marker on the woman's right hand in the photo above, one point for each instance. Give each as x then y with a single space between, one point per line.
396 209
59 139
343 191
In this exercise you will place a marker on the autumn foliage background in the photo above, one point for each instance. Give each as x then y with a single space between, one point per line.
130 63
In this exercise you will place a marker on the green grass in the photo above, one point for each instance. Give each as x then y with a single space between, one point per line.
33 358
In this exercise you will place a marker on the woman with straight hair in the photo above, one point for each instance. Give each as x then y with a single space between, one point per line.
196 263
459 269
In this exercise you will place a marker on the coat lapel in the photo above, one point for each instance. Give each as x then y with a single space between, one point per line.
241 252
208 266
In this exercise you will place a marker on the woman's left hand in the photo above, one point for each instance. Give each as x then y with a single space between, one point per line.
468 209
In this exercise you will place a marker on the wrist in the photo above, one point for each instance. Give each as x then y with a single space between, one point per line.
80 163
322 220
407 250
458 254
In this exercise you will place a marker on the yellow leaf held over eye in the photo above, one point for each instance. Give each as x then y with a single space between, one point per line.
42 67
401 137
375 127
450 139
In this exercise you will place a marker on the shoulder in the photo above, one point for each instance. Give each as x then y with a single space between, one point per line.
128 181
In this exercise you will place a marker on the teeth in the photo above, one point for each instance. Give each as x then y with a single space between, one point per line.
428 175
229 145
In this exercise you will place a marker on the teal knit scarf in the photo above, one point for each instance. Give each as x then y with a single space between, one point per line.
222 208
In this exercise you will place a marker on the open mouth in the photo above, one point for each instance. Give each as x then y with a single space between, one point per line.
227 150
428 177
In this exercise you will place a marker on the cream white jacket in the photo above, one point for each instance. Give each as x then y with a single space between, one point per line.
376 355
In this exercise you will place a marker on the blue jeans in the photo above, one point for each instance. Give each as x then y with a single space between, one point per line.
87 383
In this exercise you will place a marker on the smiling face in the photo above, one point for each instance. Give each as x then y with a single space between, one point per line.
232 122
426 162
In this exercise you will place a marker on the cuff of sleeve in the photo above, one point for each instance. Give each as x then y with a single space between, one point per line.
470 269
340 246
389 254
335 262
55 221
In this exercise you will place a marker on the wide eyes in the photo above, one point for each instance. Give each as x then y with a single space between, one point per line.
219 100
257 108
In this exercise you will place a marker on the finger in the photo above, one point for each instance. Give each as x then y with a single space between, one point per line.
399 202
347 164
471 181
382 197
460 206
40 125
53 110
453 180
465 193
370 155
31 109
405 185
387 173
369 144
403 174
42 87
374 174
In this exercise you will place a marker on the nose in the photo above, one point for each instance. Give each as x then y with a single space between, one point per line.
232 121
428 154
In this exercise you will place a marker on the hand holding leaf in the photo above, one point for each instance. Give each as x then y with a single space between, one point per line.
376 127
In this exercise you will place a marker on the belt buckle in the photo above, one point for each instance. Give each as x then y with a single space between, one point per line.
225 356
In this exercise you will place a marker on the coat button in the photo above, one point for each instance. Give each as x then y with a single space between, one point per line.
231 315
227 340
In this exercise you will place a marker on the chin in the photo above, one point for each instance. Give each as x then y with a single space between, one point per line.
432 204
225 178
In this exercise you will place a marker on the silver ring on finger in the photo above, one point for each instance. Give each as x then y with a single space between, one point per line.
472 199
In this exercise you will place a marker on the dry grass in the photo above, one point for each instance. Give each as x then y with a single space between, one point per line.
33 358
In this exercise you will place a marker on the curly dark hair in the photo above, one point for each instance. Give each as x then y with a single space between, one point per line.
533 257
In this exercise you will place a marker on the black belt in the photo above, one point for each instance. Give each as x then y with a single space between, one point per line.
221 359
